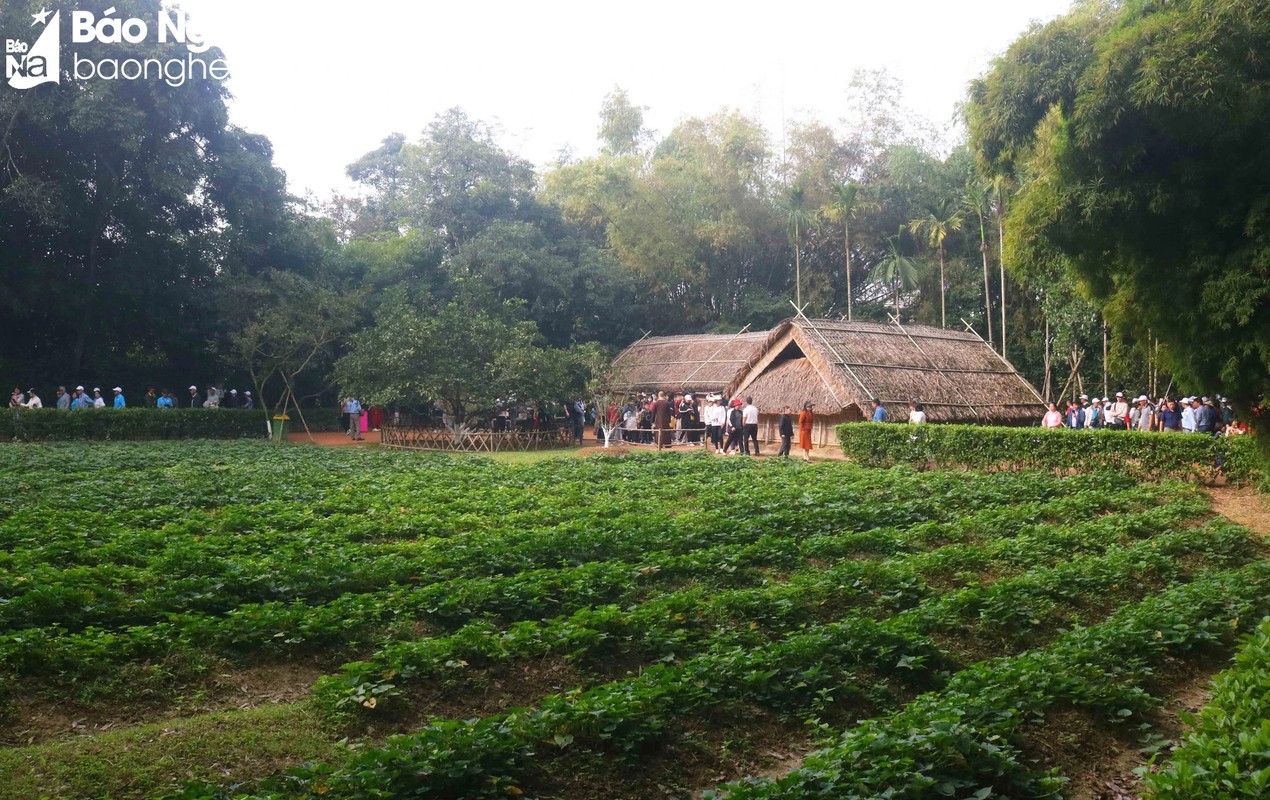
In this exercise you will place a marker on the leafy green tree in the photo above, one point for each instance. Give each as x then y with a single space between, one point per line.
1139 134
844 207
897 271
941 218
462 355
121 203
621 124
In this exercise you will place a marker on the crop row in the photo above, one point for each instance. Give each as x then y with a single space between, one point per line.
1092 560
486 756
530 595
963 741
191 577
1226 755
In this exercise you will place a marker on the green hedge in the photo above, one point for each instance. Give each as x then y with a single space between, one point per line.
1142 455
48 425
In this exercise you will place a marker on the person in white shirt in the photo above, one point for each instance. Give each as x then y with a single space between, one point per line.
98 400
1188 415
916 414
630 422
750 415
716 416
33 400
1118 413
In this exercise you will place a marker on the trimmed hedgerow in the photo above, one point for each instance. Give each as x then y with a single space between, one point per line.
1141 455
1225 756
52 425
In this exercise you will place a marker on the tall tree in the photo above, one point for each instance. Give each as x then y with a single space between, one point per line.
979 202
797 216
1000 188
846 203
942 218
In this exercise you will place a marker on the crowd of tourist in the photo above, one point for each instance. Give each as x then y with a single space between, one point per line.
80 398
1211 416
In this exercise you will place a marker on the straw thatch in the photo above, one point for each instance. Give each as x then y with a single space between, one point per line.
705 363
842 365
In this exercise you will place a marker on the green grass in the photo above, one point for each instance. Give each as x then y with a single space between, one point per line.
139 762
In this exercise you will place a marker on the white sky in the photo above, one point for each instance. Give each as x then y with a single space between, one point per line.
326 81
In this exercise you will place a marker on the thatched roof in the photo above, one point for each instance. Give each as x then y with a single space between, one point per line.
837 365
706 362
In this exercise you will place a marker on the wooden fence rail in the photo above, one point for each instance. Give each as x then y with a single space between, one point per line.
413 437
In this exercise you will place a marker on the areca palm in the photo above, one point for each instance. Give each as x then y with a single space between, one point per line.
942 218
978 201
798 218
846 203
1001 187
896 270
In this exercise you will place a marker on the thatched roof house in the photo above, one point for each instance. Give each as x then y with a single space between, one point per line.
841 366
700 363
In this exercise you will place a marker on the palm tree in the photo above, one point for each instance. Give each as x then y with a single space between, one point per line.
942 218
1000 187
977 200
798 217
896 270
844 206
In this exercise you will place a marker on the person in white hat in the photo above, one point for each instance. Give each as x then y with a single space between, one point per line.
1188 415
1118 413
247 403
119 401
98 400
81 399
195 400
1095 418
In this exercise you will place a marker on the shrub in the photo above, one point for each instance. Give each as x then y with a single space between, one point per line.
1141 455
46 425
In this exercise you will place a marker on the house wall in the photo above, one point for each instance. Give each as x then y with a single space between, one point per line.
823 432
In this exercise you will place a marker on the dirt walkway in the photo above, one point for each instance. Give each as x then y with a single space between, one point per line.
1244 506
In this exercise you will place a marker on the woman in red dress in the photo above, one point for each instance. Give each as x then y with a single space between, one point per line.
805 421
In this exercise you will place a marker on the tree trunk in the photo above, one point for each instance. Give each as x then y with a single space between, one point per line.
943 307
1047 359
987 291
798 271
846 236
1001 259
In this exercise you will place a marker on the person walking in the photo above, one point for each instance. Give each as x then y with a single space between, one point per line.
879 413
231 399
165 401
1094 417
355 419
736 429
119 401
32 400
195 400
806 426
151 399
98 400
713 416
1170 419
80 401
916 414
662 414
786 429
1075 416
247 403
750 417
1188 415
63 399
1052 419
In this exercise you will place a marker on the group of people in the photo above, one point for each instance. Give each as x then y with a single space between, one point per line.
80 398
1165 415
726 427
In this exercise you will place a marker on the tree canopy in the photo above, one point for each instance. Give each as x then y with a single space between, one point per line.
1139 134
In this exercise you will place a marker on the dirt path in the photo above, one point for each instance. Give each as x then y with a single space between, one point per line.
1243 506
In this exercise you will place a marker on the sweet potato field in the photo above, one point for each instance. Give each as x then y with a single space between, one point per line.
242 620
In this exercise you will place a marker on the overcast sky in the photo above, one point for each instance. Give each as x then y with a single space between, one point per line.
326 81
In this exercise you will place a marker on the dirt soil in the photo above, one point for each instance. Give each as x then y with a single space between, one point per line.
1244 506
